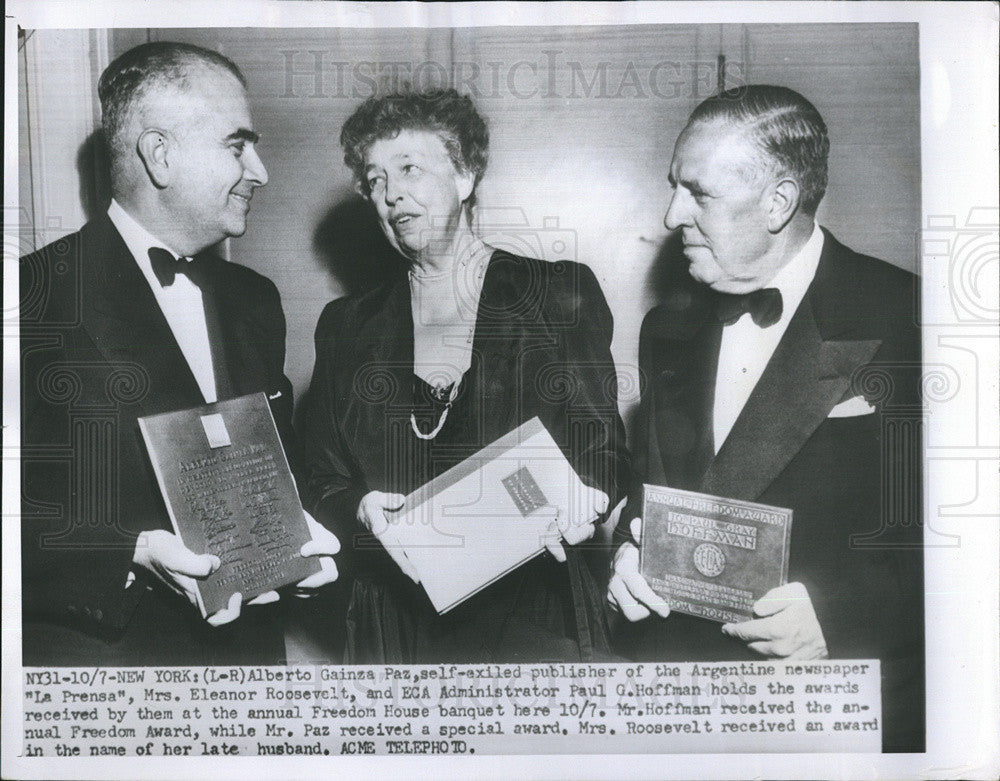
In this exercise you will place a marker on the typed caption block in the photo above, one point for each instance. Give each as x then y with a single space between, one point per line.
775 706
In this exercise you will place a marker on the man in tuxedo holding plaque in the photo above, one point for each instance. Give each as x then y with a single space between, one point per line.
134 316
784 368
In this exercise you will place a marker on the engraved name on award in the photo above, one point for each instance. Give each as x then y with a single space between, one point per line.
709 556
229 492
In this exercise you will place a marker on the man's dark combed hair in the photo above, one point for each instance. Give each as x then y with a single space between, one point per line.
783 125
127 80
444 111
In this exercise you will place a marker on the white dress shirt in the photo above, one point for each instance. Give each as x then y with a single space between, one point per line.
747 348
181 302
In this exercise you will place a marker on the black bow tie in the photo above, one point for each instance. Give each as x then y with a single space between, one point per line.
764 306
167 267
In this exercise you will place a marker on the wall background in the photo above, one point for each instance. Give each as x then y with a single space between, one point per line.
582 122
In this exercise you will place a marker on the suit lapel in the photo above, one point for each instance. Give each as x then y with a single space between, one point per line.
377 381
235 336
684 391
388 346
805 378
501 345
679 353
125 322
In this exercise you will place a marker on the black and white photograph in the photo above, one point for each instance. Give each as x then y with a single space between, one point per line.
557 390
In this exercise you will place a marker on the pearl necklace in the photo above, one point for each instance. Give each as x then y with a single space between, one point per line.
480 273
444 414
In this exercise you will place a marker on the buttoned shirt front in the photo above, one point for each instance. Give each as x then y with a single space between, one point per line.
181 303
747 348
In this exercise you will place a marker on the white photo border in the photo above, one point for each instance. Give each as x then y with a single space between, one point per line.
958 55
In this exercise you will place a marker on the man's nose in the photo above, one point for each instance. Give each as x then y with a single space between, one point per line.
677 213
253 168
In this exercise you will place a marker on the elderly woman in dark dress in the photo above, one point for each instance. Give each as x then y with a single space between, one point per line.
425 370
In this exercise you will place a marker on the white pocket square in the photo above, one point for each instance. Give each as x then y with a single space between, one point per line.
273 396
852 408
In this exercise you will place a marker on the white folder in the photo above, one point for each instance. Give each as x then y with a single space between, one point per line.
489 514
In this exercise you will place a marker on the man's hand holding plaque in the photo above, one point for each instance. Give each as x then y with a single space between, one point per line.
230 494
628 591
787 627
699 537
324 544
179 568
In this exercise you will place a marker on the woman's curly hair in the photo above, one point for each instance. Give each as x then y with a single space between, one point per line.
444 111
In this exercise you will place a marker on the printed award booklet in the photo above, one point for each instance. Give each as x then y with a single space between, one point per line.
489 514
229 492
709 556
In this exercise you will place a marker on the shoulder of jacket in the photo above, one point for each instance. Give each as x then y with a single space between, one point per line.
863 295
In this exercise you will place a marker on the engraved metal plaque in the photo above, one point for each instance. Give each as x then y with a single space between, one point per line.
229 492
709 556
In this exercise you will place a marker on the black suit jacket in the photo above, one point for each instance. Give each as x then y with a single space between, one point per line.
542 346
96 353
853 483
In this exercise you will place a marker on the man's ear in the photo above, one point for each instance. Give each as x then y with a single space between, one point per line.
153 147
784 204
